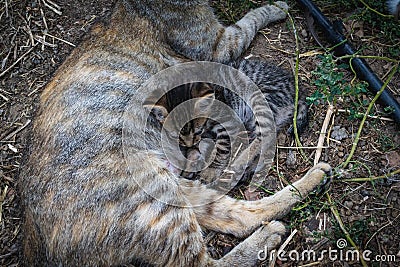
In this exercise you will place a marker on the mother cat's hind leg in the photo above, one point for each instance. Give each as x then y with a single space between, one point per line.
221 213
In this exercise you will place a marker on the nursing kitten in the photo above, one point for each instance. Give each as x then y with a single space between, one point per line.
277 86
85 204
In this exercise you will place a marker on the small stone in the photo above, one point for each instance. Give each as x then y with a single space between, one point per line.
340 154
384 238
339 134
348 204
395 213
364 193
291 159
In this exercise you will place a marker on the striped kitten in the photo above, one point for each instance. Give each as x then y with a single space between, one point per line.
85 204
277 85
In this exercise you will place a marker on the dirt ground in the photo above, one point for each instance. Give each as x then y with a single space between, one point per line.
37 35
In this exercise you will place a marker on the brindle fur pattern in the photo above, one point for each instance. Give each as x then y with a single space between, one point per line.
277 86
82 202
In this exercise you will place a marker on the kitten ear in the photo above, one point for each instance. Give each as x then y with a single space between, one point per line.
205 96
201 89
159 112
203 105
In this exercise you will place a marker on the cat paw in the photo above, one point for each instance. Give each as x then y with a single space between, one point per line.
276 227
326 168
273 232
327 178
282 5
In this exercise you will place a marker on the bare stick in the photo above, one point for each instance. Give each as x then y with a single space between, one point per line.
11 135
282 247
5 98
369 116
17 61
322 134
6 8
59 39
41 39
2 198
55 9
303 147
380 229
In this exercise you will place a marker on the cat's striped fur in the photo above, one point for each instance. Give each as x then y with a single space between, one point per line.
83 205
393 7
277 85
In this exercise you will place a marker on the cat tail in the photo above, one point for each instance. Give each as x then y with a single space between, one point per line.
301 119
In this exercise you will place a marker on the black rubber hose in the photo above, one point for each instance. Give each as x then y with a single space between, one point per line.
360 66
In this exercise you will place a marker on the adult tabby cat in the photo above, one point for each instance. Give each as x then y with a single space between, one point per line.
82 202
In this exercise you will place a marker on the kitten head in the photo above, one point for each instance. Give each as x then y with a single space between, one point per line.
187 107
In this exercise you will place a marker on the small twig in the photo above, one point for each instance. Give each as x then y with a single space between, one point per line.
6 6
371 104
11 135
41 39
343 228
311 53
282 247
303 147
296 84
380 229
44 20
310 264
375 11
322 134
5 98
59 39
29 31
17 61
55 9
369 116
370 179
2 198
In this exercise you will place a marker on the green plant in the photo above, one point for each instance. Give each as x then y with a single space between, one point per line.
387 143
229 11
374 17
332 85
304 210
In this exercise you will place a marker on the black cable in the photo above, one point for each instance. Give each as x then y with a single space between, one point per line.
360 66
